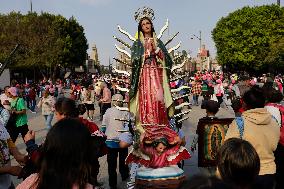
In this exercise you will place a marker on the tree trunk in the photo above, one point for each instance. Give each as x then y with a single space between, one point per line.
53 76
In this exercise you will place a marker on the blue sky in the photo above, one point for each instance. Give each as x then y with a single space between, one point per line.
100 18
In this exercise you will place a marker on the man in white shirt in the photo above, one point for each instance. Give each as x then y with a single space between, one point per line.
113 126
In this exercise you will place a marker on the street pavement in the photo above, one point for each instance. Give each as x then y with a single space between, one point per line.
36 123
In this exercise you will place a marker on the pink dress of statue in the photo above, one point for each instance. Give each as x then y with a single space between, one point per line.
153 115
152 111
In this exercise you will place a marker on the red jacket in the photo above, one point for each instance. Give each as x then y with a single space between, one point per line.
97 134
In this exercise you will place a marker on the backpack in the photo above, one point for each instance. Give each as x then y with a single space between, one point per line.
204 87
281 109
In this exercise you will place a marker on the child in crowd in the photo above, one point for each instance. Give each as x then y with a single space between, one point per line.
210 131
212 107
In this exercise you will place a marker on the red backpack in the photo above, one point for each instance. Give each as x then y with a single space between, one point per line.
281 109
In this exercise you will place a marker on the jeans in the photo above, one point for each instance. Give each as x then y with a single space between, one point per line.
32 105
112 164
48 119
195 99
28 101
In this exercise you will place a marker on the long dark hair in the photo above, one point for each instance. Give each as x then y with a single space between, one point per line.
65 158
140 26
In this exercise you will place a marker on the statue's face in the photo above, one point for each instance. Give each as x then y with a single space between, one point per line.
161 148
146 26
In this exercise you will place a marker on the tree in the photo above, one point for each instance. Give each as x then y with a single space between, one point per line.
46 41
8 33
275 56
73 40
245 37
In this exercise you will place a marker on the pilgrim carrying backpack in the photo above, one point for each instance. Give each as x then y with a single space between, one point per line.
281 109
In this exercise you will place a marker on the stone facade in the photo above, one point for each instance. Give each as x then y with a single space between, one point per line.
93 62
123 58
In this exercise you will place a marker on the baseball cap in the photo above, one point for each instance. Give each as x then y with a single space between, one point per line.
117 97
13 91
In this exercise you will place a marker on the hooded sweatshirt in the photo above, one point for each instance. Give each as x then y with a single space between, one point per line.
263 133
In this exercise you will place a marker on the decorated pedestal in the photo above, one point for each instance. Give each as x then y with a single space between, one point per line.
166 177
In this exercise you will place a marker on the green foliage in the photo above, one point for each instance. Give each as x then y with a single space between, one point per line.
247 36
276 54
46 40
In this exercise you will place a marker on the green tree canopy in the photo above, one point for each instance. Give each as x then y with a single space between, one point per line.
245 38
46 41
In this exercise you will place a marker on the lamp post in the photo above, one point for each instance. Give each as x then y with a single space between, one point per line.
31 6
199 38
200 44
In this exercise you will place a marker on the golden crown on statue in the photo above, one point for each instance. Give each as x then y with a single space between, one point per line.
144 12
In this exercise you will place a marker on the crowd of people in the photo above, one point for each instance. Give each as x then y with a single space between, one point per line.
258 121
251 157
